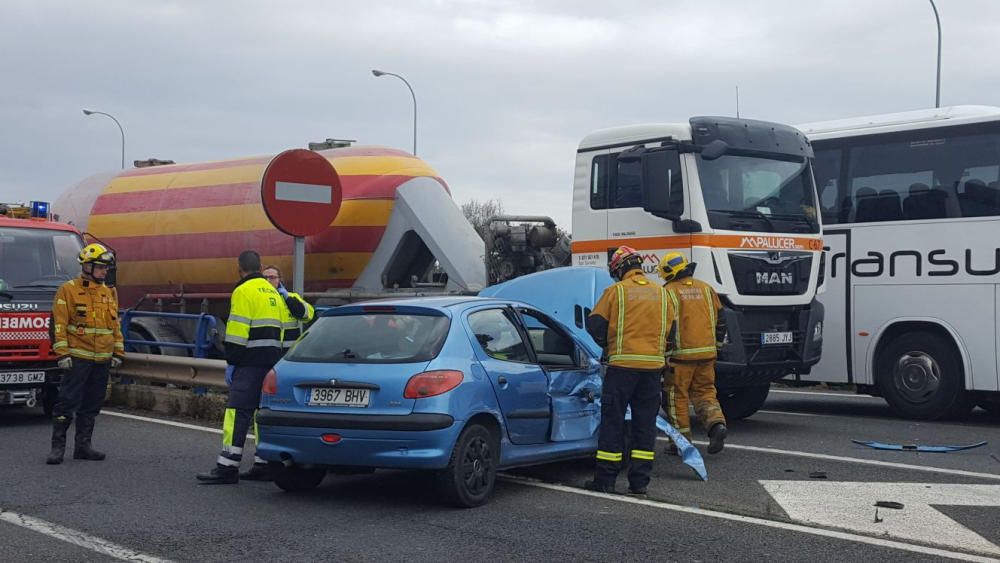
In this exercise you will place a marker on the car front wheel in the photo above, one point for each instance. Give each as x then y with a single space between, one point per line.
471 473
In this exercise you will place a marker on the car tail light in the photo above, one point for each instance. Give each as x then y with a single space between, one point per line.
270 385
330 438
431 383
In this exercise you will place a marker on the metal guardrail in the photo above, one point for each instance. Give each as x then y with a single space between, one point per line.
204 337
189 372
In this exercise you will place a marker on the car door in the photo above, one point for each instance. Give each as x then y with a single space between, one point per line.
520 384
574 376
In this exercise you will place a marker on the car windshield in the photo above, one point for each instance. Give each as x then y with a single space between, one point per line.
372 339
37 258
759 194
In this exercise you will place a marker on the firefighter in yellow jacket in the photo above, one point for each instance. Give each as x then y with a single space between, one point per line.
88 340
694 349
253 346
632 321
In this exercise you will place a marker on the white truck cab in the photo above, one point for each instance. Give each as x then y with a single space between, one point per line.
737 197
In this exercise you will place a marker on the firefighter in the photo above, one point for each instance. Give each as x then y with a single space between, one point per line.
632 322
253 346
297 312
87 337
694 349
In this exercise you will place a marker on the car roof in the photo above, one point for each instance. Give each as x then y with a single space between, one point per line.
452 303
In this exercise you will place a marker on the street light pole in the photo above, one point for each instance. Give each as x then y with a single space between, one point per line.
379 73
937 93
120 129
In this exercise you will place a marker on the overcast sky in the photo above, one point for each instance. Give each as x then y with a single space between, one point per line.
505 89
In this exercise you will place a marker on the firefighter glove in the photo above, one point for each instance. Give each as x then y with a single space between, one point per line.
282 291
116 362
65 362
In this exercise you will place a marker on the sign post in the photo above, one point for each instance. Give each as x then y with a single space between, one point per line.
301 194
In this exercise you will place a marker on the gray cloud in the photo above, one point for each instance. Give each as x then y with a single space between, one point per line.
505 89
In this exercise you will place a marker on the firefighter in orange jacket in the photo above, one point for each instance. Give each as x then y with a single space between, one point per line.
88 341
632 321
693 352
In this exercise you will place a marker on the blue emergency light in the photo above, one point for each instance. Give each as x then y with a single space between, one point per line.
40 209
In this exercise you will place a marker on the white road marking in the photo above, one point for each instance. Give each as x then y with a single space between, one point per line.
851 506
825 394
875 462
74 537
846 536
810 455
704 512
792 413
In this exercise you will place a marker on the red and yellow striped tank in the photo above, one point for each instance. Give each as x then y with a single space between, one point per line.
182 226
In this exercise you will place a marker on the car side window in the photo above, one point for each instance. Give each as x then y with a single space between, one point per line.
552 347
498 336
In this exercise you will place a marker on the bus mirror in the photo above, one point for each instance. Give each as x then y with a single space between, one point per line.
662 189
714 150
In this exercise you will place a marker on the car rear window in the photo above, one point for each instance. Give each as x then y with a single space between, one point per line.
372 339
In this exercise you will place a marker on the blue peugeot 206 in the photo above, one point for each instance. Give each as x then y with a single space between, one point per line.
462 386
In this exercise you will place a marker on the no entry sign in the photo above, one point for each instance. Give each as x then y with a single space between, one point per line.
301 192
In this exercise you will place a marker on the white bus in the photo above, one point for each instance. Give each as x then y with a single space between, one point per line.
737 196
911 212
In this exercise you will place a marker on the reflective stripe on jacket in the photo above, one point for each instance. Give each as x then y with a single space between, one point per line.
85 321
253 330
638 317
292 326
698 308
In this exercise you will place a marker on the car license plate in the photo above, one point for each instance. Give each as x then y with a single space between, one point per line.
338 397
11 377
776 338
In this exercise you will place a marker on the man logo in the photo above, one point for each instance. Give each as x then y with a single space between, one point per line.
772 278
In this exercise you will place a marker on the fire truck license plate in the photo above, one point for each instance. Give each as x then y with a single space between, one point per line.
776 338
11 377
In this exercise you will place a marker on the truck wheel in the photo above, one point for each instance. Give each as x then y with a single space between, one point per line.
471 473
294 479
741 402
920 375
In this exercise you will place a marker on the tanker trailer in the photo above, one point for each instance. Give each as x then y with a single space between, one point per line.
177 229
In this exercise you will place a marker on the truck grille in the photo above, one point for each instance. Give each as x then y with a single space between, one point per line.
19 352
771 272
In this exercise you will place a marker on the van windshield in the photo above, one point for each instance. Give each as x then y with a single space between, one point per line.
372 339
759 194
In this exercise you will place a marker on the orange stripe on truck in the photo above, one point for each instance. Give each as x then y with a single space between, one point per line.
746 242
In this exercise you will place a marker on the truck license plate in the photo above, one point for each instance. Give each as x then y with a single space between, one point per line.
338 397
776 338
13 377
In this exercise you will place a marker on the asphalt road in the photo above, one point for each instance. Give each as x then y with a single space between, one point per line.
760 502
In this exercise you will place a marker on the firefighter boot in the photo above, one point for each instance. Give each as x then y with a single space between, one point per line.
220 475
259 472
60 425
82 449
716 438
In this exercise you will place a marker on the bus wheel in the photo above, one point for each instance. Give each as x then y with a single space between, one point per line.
742 402
920 375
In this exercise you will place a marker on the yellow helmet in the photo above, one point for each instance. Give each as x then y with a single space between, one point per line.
672 264
96 254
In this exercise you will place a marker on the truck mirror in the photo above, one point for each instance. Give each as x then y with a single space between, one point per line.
662 187
714 150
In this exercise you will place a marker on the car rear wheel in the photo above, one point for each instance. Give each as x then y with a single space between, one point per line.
295 478
471 473
743 402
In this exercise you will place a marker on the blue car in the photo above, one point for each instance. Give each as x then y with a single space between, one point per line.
462 386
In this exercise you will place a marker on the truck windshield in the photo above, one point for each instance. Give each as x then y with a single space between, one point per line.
759 194
37 258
